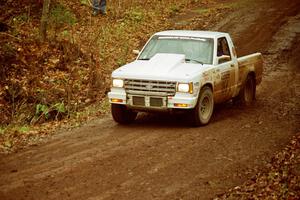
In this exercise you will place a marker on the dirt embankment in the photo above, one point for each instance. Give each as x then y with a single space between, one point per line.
159 156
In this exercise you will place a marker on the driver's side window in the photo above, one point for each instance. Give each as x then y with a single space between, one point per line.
223 51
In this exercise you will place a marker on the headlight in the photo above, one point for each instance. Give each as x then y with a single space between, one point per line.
118 83
185 87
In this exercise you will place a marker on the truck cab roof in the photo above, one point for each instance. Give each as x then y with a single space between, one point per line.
190 33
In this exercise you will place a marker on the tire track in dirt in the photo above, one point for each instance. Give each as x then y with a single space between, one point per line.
81 155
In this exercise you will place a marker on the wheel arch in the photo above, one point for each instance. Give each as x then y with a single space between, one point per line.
245 77
209 84
252 73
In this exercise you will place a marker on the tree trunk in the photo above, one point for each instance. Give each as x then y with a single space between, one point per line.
44 20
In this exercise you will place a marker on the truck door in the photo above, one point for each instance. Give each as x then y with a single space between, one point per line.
225 70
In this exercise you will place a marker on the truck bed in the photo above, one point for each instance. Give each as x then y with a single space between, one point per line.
252 62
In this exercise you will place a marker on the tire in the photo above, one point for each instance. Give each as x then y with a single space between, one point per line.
247 94
122 115
205 106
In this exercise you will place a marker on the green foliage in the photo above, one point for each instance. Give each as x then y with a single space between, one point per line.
202 10
24 129
121 61
65 33
42 110
84 2
9 50
123 56
59 107
105 106
61 16
20 19
23 17
48 112
2 130
174 9
135 15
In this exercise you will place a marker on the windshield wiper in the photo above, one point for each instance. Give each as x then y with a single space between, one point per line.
144 59
197 61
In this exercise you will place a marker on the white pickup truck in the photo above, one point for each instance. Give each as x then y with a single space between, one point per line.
184 70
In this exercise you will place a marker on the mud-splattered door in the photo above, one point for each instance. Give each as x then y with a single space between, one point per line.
226 72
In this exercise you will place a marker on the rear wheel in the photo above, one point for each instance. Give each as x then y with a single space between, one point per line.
122 114
204 108
247 93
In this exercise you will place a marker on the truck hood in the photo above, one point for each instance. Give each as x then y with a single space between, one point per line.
160 67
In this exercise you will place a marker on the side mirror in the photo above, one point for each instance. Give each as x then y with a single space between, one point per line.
136 52
223 58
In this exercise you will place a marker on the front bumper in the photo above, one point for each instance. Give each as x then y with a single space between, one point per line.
179 101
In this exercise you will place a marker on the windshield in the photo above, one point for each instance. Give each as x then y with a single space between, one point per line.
197 50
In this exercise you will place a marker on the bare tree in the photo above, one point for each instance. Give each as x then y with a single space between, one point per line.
44 20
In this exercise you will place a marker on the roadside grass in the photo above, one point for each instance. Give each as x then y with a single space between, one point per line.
8 135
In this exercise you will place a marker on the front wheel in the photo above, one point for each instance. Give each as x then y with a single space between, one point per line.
204 108
121 114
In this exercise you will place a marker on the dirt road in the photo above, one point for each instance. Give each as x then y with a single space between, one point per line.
160 156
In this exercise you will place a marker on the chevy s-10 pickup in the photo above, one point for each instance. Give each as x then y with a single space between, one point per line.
184 70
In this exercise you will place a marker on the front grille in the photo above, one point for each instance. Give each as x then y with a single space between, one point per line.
153 88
